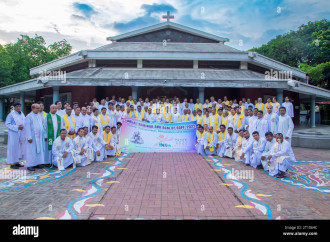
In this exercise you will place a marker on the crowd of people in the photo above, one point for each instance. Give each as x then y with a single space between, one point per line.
258 134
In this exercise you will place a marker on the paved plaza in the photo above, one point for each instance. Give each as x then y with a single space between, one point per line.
169 186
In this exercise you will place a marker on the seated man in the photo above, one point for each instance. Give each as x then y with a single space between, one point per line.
230 141
210 142
80 148
200 139
110 137
89 151
246 154
257 146
238 145
61 150
221 141
98 144
281 157
270 142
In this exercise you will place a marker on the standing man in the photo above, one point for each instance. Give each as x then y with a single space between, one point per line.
34 135
16 147
285 125
288 107
69 123
52 126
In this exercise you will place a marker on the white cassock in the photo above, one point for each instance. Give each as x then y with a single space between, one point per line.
16 145
80 143
59 148
105 121
206 120
230 141
241 127
34 131
159 118
289 108
285 126
272 120
193 118
251 124
246 124
212 144
118 116
86 121
260 125
78 121
199 143
257 149
238 148
176 118
90 152
230 122
185 117
282 158
60 112
98 144
148 117
266 153
248 152
96 121
48 153
112 142
112 116
221 142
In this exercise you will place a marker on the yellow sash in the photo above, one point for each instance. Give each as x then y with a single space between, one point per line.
199 105
185 118
224 122
276 107
137 115
266 106
199 119
260 106
200 134
240 120
209 105
210 139
67 124
107 139
169 118
226 102
44 114
222 135
101 118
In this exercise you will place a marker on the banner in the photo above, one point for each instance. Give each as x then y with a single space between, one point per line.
141 136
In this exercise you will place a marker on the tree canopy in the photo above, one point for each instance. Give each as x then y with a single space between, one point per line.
308 49
16 59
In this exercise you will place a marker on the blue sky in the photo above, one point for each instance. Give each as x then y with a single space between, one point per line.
86 24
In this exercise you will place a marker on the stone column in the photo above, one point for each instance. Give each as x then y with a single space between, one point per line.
312 110
134 92
22 101
279 95
201 94
56 94
195 64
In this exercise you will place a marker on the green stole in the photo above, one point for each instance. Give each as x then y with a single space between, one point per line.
50 129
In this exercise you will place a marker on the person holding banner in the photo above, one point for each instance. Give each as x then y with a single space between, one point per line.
158 117
139 114
176 117
80 149
52 126
200 140
98 144
210 141
61 150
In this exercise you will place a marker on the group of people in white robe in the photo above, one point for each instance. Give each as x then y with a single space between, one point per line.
260 141
58 138
94 130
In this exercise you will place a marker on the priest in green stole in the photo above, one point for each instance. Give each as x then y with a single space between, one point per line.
52 126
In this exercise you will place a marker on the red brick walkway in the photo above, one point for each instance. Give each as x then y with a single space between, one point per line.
169 186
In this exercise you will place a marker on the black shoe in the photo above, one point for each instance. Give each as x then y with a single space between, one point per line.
31 168
40 166
260 167
14 167
19 165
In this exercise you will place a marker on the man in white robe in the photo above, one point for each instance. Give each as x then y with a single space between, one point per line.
16 145
69 123
221 148
158 117
246 153
110 140
288 107
272 119
281 157
148 116
264 156
260 125
85 119
80 149
98 144
252 119
59 111
176 117
230 141
285 125
62 147
200 140
210 142
35 157
257 146
52 126
238 146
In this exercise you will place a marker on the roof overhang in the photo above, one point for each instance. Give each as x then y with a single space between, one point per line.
165 25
